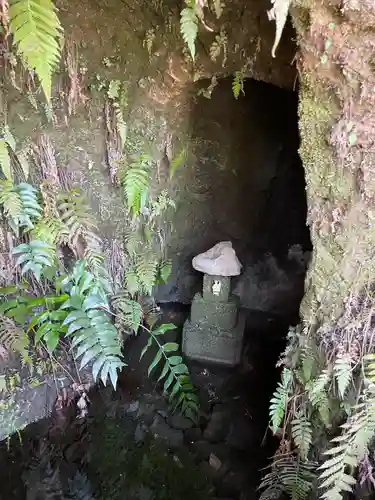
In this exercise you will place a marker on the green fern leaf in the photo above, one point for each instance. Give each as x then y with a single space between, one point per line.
132 282
49 229
146 267
176 162
5 159
9 138
136 183
349 448
279 13
189 28
165 270
128 312
36 32
95 338
319 399
35 256
13 337
291 477
343 373
237 84
11 203
279 400
20 204
94 253
174 373
75 215
133 242
302 434
30 205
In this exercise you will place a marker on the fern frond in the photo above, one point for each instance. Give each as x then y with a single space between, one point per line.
177 161
174 373
36 30
128 313
30 205
94 253
189 28
319 399
133 242
343 373
75 215
5 159
12 337
95 338
135 181
11 203
49 229
349 448
165 270
237 84
146 268
279 13
323 380
302 434
132 281
289 476
279 400
35 256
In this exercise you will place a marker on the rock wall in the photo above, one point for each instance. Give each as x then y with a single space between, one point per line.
337 148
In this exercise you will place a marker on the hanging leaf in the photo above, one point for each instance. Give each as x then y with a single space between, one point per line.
343 373
8 136
5 159
176 162
36 32
237 84
189 28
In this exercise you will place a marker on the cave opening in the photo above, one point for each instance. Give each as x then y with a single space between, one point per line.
246 185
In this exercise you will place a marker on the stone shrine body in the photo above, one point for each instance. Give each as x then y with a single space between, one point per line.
214 332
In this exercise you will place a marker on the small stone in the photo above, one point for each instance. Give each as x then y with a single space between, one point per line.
145 409
132 408
220 260
140 433
180 422
173 437
214 462
162 413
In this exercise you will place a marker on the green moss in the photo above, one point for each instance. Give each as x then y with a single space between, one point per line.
121 468
316 116
301 19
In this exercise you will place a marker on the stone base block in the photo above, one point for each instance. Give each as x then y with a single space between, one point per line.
216 314
210 344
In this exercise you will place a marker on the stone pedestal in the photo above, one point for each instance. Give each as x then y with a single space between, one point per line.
214 332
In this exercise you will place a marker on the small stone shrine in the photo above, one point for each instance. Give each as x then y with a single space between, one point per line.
214 332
